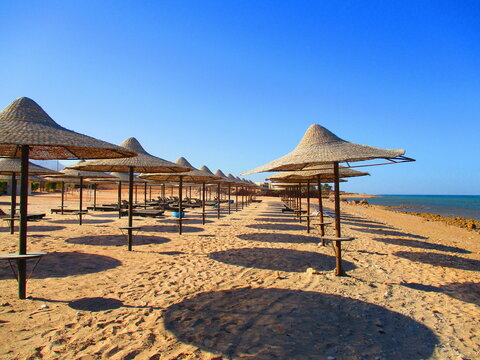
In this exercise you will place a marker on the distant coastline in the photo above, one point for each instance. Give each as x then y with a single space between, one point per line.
461 210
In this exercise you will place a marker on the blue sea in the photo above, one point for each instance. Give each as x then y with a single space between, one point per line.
466 206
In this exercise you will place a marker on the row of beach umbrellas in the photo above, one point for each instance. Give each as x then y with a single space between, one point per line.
28 132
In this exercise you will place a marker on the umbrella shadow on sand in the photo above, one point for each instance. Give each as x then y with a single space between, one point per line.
422 245
466 292
35 228
63 264
84 221
277 219
171 228
278 237
444 260
278 259
95 304
116 240
389 233
276 323
285 227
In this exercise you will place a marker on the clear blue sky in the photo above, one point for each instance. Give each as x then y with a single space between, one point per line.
235 84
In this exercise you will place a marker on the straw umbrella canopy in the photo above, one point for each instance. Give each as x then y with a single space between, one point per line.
12 167
123 177
318 174
27 131
225 180
235 183
320 146
69 172
144 163
196 176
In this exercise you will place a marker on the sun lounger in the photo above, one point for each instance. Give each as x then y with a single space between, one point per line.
287 209
66 211
144 213
103 208
30 217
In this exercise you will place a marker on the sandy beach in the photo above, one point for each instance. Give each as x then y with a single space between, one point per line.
251 285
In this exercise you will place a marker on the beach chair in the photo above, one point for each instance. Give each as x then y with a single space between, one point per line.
30 217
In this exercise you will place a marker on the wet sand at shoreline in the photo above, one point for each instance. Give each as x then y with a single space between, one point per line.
252 284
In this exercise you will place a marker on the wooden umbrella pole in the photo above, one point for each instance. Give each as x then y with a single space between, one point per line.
308 206
242 197
203 203
94 196
300 201
22 245
80 202
130 207
150 192
119 202
320 208
229 199
180 205
236 198
63 198
218 199
145 195
13 202
338 244
136 194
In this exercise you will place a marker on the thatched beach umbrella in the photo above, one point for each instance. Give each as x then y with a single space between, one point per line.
72 173
195 176
320 174
223 180
12 166
320 146
143 163
27 131
123 177
235 182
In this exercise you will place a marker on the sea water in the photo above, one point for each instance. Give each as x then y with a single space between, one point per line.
466 206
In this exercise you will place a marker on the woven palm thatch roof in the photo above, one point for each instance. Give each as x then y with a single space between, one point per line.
233 179
24 122
223 178
320 146
124 177
192 176
70 180
72 172
310 173
13 165
33 178
143 163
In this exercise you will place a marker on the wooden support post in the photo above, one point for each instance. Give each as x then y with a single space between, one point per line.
13 203
94 196
308 206
80 202
320 208
62 206
22 245
203 202
180 205
119 200
229 185
338 233
145 195
130 207
300 202
218 199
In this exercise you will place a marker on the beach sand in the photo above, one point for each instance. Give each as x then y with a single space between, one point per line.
251 285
